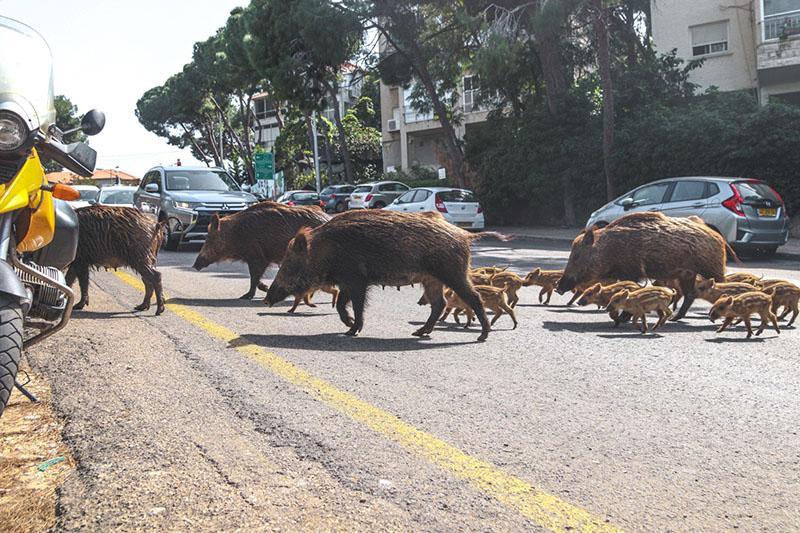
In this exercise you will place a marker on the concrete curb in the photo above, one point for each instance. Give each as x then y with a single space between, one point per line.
568 242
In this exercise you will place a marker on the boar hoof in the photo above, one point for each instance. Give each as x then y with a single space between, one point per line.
483 337
263 286
422 332
78 306
159 310
352 332
142 307
248 296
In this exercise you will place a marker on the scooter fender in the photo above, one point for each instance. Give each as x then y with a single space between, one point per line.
10 283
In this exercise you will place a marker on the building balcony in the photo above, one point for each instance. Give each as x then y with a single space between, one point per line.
780 42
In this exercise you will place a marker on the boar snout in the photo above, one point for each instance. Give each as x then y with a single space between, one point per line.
565 285
200 263
275 294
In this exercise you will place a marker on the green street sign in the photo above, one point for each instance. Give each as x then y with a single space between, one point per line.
265 166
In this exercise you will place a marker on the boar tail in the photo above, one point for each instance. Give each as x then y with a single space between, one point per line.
157 238
732 254
493 234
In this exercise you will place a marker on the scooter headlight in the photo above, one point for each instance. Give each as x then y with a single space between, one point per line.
13 131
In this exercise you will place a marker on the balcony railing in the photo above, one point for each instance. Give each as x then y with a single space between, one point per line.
781 25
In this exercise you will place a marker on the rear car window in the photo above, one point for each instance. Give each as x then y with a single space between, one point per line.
457 196
328 190
756 190
302 196
366 188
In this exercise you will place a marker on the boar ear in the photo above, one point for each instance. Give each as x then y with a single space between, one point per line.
214 226
588 237
300 241
537 272
596 287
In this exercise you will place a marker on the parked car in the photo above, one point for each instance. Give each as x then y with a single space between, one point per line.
88 195
119 195
300 198
187 198
458 206
336 197
376 195
750 214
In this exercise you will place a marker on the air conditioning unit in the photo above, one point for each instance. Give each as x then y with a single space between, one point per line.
392 125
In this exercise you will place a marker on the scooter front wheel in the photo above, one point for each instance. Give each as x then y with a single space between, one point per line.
10 346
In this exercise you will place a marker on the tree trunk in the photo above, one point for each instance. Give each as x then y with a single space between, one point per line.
600 15
333 90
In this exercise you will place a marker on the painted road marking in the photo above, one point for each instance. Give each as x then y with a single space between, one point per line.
539 506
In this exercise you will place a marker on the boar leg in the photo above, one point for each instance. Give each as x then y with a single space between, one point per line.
341 307
541 294
296 303
549 295
434 295
766 318
152 281
643 328
575 296
470 296
725 324
749 326
307 299
256 269
358 296
82 273
689 294
795 311
446 313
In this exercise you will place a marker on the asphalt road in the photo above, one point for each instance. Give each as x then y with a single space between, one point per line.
227 414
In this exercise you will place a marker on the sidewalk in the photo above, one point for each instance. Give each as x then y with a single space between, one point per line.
565 236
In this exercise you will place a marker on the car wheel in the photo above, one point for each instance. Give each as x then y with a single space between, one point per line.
339 207
601 224
767 251
170 242
379 205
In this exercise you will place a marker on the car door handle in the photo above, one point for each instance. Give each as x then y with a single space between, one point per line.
698 205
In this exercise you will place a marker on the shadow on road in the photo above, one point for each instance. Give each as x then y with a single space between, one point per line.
217 302
92 315
743 339
608 326
338 342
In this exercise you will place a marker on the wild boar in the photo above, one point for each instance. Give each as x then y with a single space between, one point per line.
306 298
494 298
743 307
651 245
711 291
601 294
257 236
765 284
786 295
546 279
510 282
744 277
358 249
116 237
640 302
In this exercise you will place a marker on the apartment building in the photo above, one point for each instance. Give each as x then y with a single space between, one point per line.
412 138
267 127
745 44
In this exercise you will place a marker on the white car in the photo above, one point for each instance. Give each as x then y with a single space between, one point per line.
458 206
88 196
118 195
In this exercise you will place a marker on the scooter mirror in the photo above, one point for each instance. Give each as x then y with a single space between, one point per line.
93 122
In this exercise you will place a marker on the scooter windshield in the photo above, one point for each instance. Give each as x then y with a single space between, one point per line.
26 72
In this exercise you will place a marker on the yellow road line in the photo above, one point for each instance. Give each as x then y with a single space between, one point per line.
545 509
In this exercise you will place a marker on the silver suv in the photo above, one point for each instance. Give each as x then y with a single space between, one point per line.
376 195
749 213
187 197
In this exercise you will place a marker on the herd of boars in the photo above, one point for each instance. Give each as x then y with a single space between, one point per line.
640 264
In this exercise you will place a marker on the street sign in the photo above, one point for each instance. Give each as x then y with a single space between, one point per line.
265 166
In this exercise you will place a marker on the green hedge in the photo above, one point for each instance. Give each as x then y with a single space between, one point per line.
521 163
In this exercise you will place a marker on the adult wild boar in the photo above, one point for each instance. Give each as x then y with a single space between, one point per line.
361 248
647 245
258 236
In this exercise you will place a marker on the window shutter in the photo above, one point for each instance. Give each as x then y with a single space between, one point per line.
716 32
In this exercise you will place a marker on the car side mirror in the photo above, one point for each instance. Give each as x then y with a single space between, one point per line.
92 201
246 187
151 187
627 203
93 122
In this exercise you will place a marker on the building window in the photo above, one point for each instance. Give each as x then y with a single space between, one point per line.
472 93
781 18
709 38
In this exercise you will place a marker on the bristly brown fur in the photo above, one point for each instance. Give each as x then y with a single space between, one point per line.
648 245
257 236
116 237
361 248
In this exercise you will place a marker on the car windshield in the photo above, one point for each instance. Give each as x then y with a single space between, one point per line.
88 194
458 196
756 190
124 196
305 196
364 188
200 180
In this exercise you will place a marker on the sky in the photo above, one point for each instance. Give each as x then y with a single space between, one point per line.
107 53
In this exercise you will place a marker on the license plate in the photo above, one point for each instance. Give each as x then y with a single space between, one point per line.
356 198
767 211
464 224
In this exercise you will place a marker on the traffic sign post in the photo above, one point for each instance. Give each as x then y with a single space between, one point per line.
265 166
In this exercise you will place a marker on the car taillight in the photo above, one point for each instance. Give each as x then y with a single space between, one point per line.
780 198
290 203
480 209
734 203
440 205
367 198
321 203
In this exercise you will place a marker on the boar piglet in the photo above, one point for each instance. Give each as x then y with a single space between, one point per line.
711 291
257 236
786 295
640 302
546 279
358 249
639 246
116 237
743 307
744 277
600 294
511 283
494 298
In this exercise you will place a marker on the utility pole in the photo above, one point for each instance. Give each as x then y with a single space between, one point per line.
316 149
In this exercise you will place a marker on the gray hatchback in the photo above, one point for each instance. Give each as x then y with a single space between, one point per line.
749 213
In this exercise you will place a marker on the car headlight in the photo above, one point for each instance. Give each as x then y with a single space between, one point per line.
13 132
186 205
